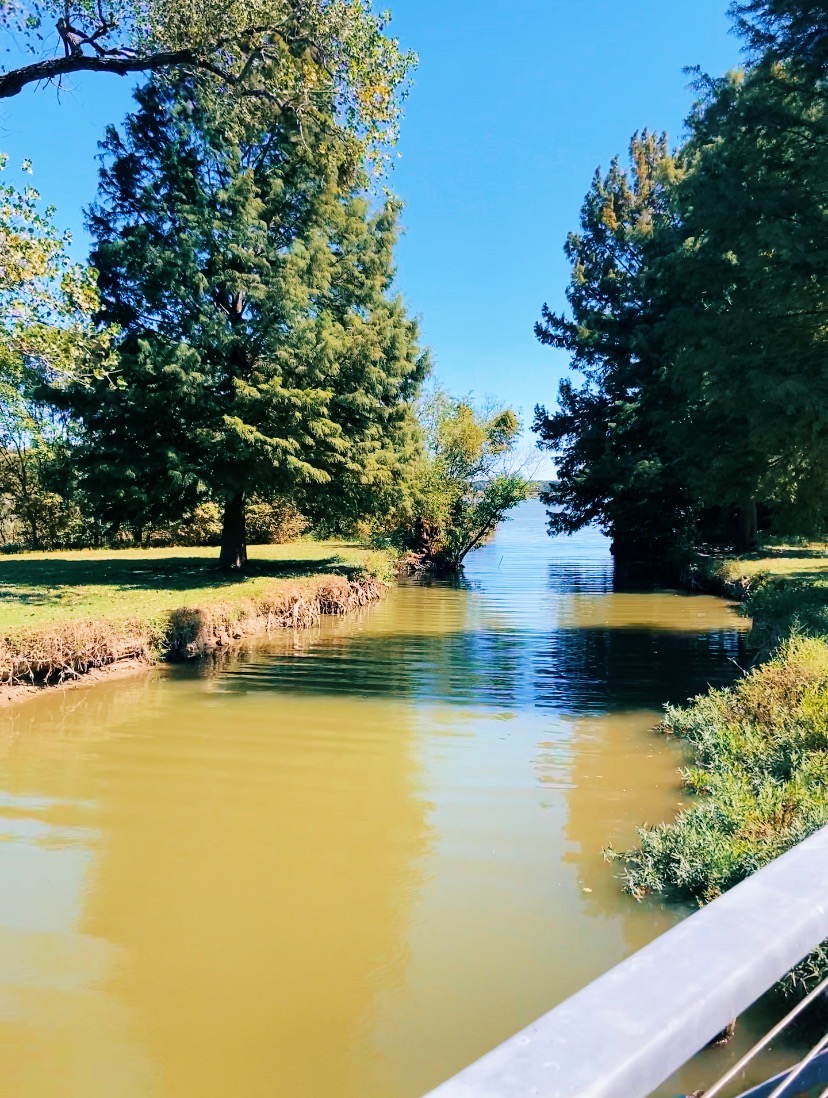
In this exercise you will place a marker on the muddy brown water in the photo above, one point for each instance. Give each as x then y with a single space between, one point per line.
344 863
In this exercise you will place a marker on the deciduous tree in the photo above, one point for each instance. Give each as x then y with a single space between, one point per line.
465 482
47 339
296 55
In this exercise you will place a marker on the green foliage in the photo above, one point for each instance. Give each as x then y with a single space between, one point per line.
760 769
317 60
698 320
782 605
742 297
465 482
47 338
789 30
273 522
262 350
617 464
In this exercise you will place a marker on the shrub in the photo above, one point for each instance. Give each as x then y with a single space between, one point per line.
760 768
273 522
780 604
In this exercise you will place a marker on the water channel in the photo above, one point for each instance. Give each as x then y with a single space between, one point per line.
345 862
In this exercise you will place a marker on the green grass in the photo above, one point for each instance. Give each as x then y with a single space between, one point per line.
798 562
784 590
42 589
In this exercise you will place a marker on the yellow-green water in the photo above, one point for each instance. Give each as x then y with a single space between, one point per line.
343 863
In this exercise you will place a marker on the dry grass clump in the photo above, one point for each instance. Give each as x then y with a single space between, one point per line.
193 631
72 647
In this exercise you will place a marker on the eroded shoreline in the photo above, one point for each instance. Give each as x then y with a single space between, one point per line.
75 653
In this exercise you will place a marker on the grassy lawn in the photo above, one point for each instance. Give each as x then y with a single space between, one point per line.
809 562
784 590
41 589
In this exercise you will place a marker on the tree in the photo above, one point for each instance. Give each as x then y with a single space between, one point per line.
465 482
617 465
47 338
785 30
744 299
262 349
296 55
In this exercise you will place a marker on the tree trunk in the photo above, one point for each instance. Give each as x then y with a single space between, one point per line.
748 526
233 533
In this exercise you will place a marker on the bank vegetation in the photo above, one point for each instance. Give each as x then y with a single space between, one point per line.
694 427
757 768
66 615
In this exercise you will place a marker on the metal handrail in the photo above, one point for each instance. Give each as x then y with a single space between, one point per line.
631 1029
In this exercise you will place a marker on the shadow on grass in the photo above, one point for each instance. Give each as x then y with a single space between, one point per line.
30 580
817 577
788 553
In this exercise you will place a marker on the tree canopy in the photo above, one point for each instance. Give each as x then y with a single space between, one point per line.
785 30
744 297
698 303
261 347
617 466
464 483
47 338
299 56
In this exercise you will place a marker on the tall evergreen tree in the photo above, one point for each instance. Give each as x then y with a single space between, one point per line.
793 31
262 349
616 465
745 299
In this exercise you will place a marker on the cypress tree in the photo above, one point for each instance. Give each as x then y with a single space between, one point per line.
617 465
261 348
744 297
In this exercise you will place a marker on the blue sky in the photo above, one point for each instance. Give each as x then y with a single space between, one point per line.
514 104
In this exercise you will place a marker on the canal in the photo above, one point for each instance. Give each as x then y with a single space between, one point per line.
343 863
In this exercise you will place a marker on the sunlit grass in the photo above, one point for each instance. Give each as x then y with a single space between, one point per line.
780 560
783 588
37 589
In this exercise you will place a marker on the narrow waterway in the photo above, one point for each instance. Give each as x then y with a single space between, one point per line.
346 862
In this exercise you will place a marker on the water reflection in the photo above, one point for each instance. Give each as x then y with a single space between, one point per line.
526 634
343 862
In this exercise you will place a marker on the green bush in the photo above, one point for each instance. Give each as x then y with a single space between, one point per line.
462 486
760 770
780 605
273 522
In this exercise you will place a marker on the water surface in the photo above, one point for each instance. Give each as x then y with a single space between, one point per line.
343 862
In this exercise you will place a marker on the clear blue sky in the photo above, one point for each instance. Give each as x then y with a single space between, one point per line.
514 104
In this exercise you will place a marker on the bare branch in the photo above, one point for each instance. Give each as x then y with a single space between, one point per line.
251 43
12 83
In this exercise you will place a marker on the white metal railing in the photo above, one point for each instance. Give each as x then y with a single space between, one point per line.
631 1029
